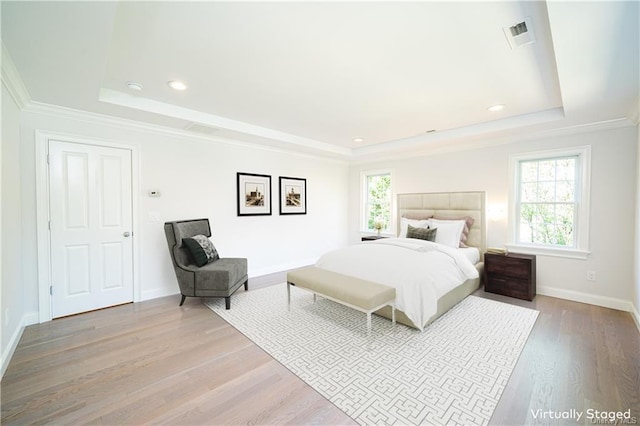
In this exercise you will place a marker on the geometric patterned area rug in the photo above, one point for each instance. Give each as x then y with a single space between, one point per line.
451 373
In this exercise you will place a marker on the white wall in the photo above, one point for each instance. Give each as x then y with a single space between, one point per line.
613 197
197 178
636 287
12 313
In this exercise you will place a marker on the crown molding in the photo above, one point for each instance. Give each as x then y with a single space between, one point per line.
445 146
155 129
470 132
616 123
169 110
12 81
491 140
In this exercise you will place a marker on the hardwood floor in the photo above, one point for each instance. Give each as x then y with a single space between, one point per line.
578 357
155 362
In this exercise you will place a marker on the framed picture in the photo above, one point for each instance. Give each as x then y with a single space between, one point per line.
254 194
293 195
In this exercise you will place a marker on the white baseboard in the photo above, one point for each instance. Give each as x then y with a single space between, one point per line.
27 319
636 317
30 318
591 299
160 292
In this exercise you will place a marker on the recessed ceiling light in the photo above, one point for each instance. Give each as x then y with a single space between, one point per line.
494 108
358 140
134 86
177 85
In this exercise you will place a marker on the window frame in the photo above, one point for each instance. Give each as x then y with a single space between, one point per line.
364 202
582 202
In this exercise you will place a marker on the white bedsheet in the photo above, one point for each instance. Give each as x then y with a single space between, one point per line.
421 271
471 253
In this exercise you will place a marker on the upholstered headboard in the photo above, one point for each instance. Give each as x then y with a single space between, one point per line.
448 205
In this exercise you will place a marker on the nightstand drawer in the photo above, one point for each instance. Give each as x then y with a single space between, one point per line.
518 288
512 267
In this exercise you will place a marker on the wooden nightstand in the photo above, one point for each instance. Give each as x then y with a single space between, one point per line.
372 237
512 275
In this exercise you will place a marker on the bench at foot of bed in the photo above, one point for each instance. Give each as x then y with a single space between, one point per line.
362 295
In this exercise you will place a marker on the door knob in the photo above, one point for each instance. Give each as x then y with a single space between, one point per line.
126 234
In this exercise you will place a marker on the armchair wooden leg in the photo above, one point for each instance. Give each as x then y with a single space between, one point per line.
227 303
246 285
183 298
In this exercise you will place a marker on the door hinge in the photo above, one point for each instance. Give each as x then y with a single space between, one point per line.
51 290
49 225
48 159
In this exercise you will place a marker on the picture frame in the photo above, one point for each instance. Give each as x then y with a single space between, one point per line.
254 194
293 195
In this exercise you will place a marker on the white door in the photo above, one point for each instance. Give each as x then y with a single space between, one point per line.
91 227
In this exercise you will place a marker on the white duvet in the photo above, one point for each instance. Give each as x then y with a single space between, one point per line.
421 271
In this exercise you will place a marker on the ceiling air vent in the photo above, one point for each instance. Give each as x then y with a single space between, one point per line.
520 34
518 29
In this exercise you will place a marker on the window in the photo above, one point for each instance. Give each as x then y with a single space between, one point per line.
377 197
549 202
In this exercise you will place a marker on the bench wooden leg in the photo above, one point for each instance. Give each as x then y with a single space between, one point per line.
368 330
393 314
288 295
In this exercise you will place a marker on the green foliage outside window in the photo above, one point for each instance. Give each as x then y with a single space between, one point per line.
378 202
547 201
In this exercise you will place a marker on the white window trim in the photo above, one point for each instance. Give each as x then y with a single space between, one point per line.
363 202
581 249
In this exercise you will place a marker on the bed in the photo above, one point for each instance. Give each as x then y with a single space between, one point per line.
424 291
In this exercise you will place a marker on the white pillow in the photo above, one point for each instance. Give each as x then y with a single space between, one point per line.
449 231
404 225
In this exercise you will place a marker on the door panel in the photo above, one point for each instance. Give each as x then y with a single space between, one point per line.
76 193
91 212
112 259
111 196
77 270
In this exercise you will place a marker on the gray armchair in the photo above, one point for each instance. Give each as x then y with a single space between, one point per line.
220 278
